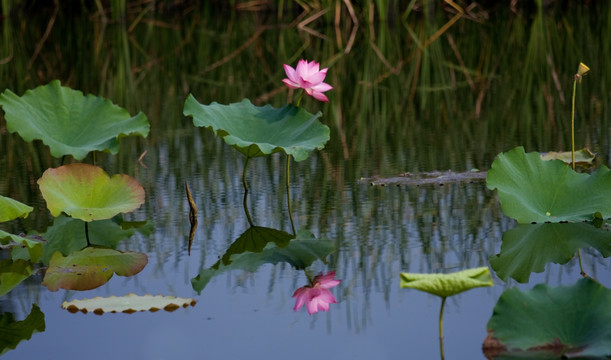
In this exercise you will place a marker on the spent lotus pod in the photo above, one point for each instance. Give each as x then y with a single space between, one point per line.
308 76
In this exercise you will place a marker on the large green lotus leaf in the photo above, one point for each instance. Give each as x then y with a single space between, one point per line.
24 248
12 273
12 209
527 248
128 304
86 192
560 321
445 285
255 239
300 253
13 332
91 268
67 235
259 131
69 122
534 190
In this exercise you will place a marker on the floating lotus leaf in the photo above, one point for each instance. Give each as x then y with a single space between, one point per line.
67 235
12 273
90 268
445 285
12 209
86 192
527 248
552 321
69 122
25 248
13 332
582 157
300 253
534 190
129 303
259 131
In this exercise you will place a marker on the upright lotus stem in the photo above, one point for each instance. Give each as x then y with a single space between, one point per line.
443 302
581 70
288 192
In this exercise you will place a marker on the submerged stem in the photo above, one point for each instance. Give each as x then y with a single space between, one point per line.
288 192
246 192
580 264
443 303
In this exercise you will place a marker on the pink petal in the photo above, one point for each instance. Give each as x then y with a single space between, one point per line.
322 87
290 73
317 95
291 84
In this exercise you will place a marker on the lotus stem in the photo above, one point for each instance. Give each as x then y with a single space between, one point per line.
583 273
87 233
288 192
443 303
573 123
250 222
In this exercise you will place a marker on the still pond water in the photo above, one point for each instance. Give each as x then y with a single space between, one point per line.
378 128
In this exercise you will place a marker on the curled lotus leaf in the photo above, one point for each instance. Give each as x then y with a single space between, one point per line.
444 285
15 331
261 130
533 190
12 209
129 303
86 192
91 268
69 122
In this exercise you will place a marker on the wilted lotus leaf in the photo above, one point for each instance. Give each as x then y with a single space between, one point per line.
86 192
527 248
69 122
550 322
12 273
13 332
12 209
259 131
534 190
445 285
129 303
91 267
582 157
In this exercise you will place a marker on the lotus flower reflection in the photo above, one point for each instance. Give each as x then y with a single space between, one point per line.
308 77
317 296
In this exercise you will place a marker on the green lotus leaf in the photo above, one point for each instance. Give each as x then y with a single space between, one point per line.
86 192
300 253
445 285
25 248
259 131
90 268
255 239
67 235
129 304
69 122
534 190
12 209
554 321
12 273
13 332
527 248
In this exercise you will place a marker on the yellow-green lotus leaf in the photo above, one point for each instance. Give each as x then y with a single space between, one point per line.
86 192
445 285
12 209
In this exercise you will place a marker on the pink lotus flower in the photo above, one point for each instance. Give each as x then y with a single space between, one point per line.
308 77
317 296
